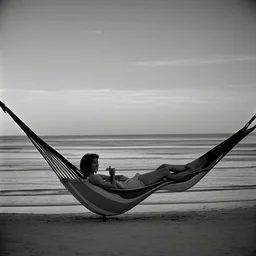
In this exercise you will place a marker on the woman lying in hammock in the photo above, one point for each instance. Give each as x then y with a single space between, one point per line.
89 166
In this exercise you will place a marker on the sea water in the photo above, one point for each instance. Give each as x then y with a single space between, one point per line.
27 183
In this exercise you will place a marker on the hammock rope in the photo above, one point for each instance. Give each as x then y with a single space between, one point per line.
59 164
108 202
66 170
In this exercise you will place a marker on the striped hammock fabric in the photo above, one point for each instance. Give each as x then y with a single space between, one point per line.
109 202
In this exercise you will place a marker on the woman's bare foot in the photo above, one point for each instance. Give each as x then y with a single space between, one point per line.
197 164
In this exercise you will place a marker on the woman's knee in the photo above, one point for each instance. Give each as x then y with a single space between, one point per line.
161 166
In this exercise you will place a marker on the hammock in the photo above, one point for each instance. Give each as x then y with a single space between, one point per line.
109 202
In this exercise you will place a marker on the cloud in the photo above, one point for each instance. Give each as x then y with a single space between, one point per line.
123 111
241 86
95 31
129 99
192 62
107 97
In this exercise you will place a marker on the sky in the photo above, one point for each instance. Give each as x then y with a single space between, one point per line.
128 67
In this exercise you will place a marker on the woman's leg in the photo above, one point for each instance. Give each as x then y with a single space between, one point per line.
154 176
197 164
194 166
174 168
179 175
164 171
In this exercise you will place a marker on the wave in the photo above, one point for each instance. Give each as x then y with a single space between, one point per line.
142 203
43 192
33 192
137 169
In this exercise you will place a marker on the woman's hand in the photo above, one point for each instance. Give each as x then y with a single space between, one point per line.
111 171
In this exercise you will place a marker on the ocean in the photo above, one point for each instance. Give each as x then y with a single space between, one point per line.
28 185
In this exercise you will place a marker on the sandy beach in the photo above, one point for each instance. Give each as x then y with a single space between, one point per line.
205 232
217 216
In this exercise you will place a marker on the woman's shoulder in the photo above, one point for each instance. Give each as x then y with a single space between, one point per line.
97 180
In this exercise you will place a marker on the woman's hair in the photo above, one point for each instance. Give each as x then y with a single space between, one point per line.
85 163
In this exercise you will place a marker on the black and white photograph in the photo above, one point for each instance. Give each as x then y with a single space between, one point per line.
127 127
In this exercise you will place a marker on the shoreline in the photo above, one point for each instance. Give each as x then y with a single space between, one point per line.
185 201
142 210
145 207
208 232
137 213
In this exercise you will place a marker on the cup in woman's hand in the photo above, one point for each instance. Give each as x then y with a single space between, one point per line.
112 171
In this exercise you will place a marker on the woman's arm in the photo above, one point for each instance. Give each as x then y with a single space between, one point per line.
112 177
105 177
118 177
121 177
98 181
116 183
112 173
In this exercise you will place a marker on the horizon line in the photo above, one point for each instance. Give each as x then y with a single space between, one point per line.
122 134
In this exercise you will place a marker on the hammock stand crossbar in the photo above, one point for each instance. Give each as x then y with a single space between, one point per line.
107 202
